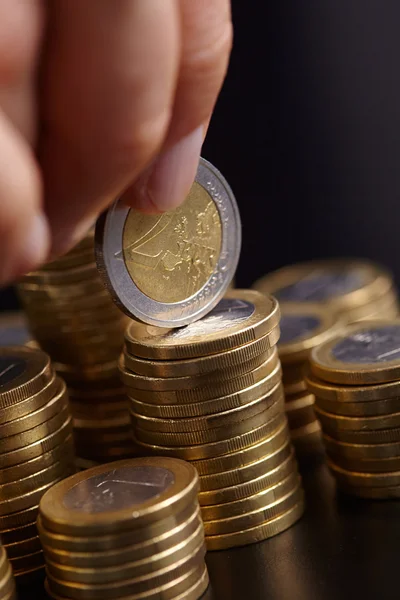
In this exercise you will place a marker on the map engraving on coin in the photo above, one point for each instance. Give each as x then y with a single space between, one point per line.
118 489
10 369
294 327
376 345
319 286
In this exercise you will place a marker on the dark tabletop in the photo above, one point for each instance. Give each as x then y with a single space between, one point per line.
342 549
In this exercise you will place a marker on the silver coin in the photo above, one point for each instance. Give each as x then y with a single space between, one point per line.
378 345
295 327
118 489
320 286
195 253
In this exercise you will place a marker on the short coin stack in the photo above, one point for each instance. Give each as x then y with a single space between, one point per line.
211 393
74 319
131 529
7 583
36 449
354 289
356 380
302 328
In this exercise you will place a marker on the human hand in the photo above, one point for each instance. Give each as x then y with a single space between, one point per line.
127 88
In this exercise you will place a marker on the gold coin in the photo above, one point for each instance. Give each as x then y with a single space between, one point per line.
250 471
339 284
133 380
30 576
214 449
94 374
360 409
18 534
242 317
40 447
27 562
215 434
19 519
258 533
145 538
236 460
23 373
303 328
365 353
143 554
382 436
342 393
381 493
201 365
384 307
130 570
250 487
296 387
300 412
10 508
255 517
245 505
206 422
133 586
311 430
116 423
62 278
365 465
334 423
358 479
150 488
28 546
360 451
25 407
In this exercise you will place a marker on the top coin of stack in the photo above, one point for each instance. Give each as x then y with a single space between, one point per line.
302 328
7 583
354 289
74 319
36 449
131 529
211 393
356 380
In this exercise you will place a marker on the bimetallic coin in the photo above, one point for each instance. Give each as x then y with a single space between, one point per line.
29 405
337 423
360 409
170 270
341 394
374 480
23 372
364 353
360 450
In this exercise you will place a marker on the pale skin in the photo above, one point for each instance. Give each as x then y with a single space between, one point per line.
100 99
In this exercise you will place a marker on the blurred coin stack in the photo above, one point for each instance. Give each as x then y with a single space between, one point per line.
131 529
356 380
211 393
302 328
7 583
36 449
356 290
73 318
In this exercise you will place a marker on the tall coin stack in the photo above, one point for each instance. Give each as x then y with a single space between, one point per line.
211 393
36 449
7 583
131 529
73 318
302 328
356 290
356 380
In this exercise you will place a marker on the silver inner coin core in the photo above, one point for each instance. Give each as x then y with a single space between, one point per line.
320 286
228 312
11 367
118 489
295 327
378 345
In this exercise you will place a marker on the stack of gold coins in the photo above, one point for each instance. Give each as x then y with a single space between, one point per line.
74 319
356 290
211 393
131 529
36 449
7 583
356 380
302 328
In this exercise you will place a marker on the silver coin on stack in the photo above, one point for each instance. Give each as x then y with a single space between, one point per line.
74 319
36 449
7 582
211 393
131 529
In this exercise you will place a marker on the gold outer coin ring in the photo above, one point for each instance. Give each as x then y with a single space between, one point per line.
250 487
382 436
35 377
256 517
11 509
217 434
28 546
236 460
18 534
214 449
29 405
353 394
58 519
263 498
202 365
359 451
371 493
206 422
20 519
380 465
256 534
365 479
373 408
324 366
311 430
27 562
161 344
295 388
332 422
143 554
300 418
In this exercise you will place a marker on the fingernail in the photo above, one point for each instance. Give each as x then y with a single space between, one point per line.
167 183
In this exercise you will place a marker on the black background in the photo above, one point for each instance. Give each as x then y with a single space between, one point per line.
307 131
